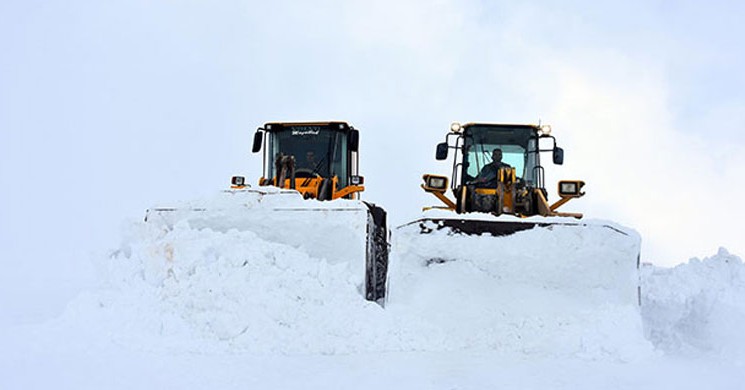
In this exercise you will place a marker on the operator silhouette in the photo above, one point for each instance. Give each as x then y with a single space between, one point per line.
488 175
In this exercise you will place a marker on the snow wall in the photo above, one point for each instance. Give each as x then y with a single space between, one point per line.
193 282
696 307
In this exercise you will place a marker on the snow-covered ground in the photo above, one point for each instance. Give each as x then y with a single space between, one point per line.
246 290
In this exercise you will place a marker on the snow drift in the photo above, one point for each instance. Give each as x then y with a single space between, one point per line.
207 280
198 284
696 307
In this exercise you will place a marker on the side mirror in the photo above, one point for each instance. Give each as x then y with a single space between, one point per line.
354 140
258 139
442 151
558 155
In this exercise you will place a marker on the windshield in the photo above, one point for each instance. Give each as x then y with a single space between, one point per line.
317 150
518 146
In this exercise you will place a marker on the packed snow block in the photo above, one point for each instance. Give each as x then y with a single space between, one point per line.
258 271
696 307
594 262
332 230
556 290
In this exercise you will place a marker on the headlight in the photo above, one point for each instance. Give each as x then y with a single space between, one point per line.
568 188
571 188
435 183
238 181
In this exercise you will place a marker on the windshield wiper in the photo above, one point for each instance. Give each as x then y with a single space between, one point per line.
314 172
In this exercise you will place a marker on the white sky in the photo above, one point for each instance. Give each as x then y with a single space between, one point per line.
107 108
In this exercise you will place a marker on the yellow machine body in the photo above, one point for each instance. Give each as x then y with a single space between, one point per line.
318 159
522 195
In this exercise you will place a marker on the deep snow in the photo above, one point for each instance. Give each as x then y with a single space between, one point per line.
696 308
197 300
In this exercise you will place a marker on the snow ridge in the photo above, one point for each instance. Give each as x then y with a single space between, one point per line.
194 284
696 307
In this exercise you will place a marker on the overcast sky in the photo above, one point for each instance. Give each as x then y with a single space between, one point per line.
107 108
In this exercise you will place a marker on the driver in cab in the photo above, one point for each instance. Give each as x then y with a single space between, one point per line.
310 161
308 166
488 175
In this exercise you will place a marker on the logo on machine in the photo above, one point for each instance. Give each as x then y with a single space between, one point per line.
306 130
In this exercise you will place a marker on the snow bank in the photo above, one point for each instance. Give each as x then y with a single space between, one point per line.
237 273
257 272
696 307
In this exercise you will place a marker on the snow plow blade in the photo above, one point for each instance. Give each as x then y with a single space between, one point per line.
349 232
536 285
590 262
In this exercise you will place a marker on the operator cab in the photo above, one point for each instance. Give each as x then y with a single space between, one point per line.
513 185
520 146
517 143
315 152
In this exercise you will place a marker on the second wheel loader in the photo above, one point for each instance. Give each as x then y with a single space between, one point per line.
308 197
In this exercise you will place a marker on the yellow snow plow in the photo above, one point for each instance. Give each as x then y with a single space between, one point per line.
498 189
305 164
497 170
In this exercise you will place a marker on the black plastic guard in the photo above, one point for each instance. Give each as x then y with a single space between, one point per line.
478 227
376 262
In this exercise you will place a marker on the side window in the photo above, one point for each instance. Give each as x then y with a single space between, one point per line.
473 165
531 160
270 154
340 160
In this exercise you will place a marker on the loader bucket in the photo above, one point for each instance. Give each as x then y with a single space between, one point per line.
343 232
548 253
535 285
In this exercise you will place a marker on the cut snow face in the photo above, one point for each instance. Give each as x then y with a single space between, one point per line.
696 307
334 231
